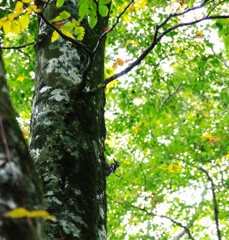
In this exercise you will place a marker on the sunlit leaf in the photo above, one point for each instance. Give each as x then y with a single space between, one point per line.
19 7
67 33
120 62
7 26
103 10
21 212
15 27
62 16
59 3
21 78
79 32
55 36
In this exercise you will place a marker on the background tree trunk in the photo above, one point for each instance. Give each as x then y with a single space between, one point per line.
19 183
68 132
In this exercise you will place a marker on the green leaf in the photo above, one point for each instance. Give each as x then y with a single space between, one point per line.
104 1
226 41
83 10
68 26
59 3
79 32
62 16
103 10
92 20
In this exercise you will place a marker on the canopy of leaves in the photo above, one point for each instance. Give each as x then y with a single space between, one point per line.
167 120
168 124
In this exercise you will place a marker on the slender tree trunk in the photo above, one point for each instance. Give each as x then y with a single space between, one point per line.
19 183
68 132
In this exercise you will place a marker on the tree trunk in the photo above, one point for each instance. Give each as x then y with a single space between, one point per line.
68 131
19 183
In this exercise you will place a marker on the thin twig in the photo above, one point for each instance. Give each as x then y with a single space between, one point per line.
151 47
91 57
18 46
111 29
216 211
166 217
170 95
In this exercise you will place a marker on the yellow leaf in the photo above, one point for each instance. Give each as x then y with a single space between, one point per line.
163 166
2 21
55 35
21 212
227 156
141 4
120 62
44 214
173 168
11 16
132 7
15 27
27 1
76 22
110 84
29 11
206 136
108 142
24 22
135 130
7 26
126 19
67 33
35 9
32 8
25 133
132 42
20 78
200 33
19 7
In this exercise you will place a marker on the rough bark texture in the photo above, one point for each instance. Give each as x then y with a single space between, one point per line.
68 132
19 183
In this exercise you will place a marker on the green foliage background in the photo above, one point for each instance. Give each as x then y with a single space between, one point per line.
167 120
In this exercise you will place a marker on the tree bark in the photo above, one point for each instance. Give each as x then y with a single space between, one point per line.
68 131
19 183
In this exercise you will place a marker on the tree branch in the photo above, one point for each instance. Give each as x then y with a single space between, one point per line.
73 41
163 216
110 29
170 95
216 211
154 43
91 57
18 47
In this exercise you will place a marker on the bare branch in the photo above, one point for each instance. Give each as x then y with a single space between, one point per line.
221 59
163 216
170 95
216 211
18 46
110 29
